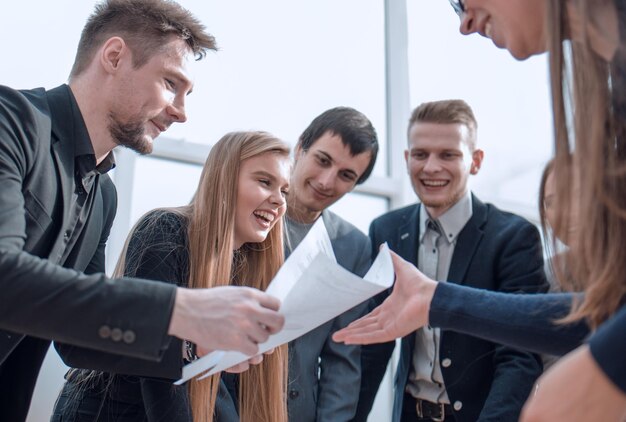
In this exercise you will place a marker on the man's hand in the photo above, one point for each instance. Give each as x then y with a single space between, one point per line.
575 390
225 318
404 311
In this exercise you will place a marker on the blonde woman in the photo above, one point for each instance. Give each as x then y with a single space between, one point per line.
230 234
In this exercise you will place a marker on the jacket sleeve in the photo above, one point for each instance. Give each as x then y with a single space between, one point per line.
157 250
340 365
521 321
44 300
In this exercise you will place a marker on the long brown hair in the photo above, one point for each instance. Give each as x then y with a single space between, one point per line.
588 97
211 239
212 262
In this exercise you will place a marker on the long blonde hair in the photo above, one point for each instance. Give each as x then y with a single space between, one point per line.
212 262
589 99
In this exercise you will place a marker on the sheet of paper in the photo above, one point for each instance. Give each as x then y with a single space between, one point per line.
313 289
315 242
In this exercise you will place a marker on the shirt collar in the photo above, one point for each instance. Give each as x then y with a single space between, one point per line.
452 221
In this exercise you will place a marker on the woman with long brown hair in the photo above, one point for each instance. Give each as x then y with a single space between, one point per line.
230 234
586 41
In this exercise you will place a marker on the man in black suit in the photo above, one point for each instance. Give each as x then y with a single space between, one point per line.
128 84
454 236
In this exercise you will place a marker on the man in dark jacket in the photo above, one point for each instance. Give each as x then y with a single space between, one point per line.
128 84
454 236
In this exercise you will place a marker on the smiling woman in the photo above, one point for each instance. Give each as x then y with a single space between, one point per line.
203 244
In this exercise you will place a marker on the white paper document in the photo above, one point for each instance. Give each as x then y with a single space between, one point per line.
313 289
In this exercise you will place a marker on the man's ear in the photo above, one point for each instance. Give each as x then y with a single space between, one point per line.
112 52
477 160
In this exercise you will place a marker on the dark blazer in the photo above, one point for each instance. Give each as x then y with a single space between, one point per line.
41 300
157 250
494 251
324 376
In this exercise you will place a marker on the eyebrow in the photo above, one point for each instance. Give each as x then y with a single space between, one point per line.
436 151
269 175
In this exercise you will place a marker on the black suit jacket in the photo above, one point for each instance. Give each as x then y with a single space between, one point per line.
494 251
41 300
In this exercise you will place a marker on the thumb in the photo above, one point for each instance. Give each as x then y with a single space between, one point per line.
398 261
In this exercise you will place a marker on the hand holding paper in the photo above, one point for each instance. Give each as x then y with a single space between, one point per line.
313 289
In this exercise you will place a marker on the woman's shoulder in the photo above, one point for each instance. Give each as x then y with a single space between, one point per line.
162 222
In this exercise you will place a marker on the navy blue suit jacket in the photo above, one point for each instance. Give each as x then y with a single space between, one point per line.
494 251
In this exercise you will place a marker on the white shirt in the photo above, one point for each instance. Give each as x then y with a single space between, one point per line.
433 258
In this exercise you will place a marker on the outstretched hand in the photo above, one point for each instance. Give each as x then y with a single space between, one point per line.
404 311
226 318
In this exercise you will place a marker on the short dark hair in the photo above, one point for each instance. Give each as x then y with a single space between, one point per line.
355 130
446 112
145 25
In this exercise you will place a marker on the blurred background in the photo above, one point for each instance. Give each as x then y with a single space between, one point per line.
281 63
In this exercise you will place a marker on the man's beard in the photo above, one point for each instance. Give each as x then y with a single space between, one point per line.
130 134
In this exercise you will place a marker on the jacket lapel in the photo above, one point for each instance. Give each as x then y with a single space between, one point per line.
467 243
62 148
407 236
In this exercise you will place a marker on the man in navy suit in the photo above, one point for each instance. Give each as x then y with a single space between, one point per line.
453 236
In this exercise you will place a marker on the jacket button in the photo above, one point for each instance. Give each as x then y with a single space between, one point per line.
446 363
104 331
116 334
457 405
293 394
129 337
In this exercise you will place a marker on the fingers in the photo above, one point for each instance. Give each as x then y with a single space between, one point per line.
266 314
368 333
271 321
255 360
265 300
368 337
363 325
244 366
201 351
239 368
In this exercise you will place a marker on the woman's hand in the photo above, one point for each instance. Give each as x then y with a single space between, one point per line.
403 312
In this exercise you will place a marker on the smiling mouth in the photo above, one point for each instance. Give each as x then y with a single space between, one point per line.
435 183
318 193
264 218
